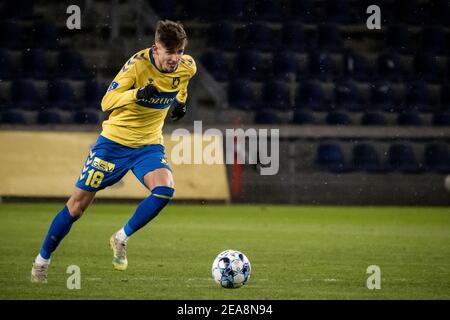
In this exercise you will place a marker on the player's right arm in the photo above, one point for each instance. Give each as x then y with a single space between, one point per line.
121 91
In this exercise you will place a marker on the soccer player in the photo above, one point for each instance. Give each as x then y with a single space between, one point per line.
139 98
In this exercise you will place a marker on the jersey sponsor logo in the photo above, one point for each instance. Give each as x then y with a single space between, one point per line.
113 85
103 165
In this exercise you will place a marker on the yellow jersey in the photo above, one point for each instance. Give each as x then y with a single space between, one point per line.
135 123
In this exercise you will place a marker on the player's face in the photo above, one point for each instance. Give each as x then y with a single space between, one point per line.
168 59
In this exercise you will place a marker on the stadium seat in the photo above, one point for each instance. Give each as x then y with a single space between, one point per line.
285 65
13 116
426 68
50 116
86 117
45 35
71 65
266 116
409 12
249 65
418 97
382 97
165 9
320 65
24 95
337 11
338 119
222 36
21 9
268 10
241 94
365 158
216 64
259 36
445 97
432 40
346 96
389 68
310 95
276 95
34 64
235 9
373 119
61 96
294 37
438 12
329 38
93 93
303 118
437 158
401 157
398 38
409 119
6 68
329 157
356 67
10 35
304 11
441 120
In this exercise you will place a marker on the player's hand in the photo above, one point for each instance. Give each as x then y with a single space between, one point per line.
146 92
178 111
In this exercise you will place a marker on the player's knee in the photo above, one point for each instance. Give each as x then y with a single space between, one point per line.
77 206
164 192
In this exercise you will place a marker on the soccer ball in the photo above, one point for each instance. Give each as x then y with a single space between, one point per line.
231 269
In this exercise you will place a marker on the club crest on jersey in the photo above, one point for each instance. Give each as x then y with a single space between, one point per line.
113 85
103 165
175 82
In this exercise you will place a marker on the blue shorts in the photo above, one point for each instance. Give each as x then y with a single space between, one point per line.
109 161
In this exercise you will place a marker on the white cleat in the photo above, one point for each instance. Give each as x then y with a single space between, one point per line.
119 249
39 272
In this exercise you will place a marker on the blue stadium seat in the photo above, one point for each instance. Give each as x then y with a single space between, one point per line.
216 64
409 119
357 67
276 95
418 97
50 116
34 64
320 65
10 35
165 9
294 37
285 65
22 9
346 96
329 157
259 36
399 39
438 12
310 95
337 11
304 11
426 68
235 9
61 96
268 10
401 157
303 118
6 68
338 119
409 12
93 93
382 97
366 158
266 116
71 65
24 95
250 65
437 158
373 119
445 97
13 116
432 40
45 35
222 36
329 38
441 120
389 68
241 94
86 117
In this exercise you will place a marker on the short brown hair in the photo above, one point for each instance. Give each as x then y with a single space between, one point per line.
170 34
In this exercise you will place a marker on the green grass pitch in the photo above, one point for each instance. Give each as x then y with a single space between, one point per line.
296 252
